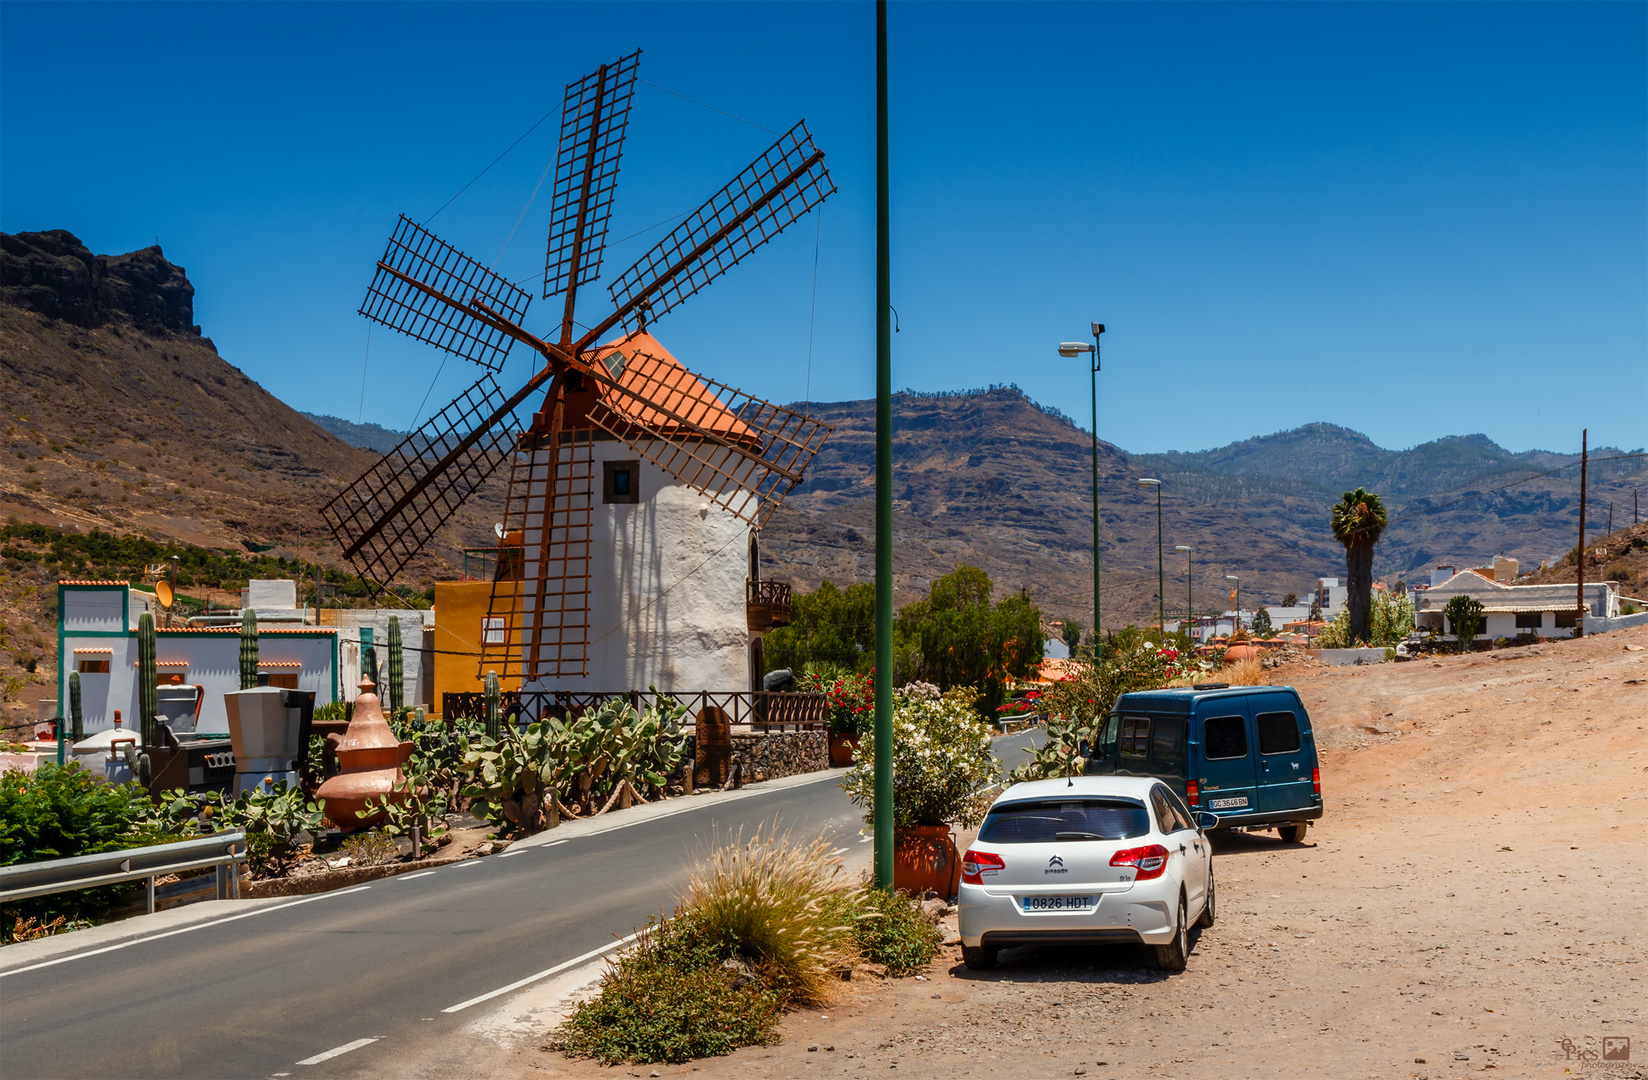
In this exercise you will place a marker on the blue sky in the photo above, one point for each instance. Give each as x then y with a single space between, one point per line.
1283 212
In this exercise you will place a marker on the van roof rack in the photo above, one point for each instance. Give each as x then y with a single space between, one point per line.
1211 686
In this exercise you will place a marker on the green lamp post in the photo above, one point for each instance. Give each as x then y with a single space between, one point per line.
1082 348
1190 601
1161 572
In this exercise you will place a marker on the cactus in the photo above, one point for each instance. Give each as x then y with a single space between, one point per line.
248 649
494 706
397 665
148 676
75 713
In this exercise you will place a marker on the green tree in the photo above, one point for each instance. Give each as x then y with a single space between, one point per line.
956 637
826 625
1261 622
1464 615
1290 600
1072 634
1358 521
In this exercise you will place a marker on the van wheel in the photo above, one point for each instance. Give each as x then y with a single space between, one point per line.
1172 956
979 959
1208 912
1292 834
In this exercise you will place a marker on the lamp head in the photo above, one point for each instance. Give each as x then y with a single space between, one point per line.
1098 328
1181 547
1233 577
1148 483
1074 348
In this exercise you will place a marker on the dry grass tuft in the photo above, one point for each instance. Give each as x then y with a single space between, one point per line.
1245 673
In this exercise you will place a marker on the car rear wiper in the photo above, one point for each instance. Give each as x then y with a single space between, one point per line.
1077 836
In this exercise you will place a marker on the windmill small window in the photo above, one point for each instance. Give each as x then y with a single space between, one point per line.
621 481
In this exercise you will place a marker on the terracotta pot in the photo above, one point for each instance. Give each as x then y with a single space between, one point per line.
369 763
842 749
924 857
1237 653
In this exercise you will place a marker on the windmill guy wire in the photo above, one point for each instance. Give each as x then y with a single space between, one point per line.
711 108
488 169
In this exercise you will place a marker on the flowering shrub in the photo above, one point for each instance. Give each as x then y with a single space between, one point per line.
1027 705
851 699
942 762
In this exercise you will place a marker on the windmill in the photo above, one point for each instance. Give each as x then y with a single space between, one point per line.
739 452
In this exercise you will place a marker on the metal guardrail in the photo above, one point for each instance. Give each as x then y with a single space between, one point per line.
130 864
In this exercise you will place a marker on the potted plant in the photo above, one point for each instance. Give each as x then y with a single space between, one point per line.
851 701
943 766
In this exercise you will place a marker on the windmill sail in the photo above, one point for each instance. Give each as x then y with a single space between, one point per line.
742 453
386 516
594 119
421 287
771 194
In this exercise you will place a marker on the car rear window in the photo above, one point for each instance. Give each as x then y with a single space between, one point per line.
1278 732
1046 821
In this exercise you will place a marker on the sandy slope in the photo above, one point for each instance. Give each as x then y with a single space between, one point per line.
1477 893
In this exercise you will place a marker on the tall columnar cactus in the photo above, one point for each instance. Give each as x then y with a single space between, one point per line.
148 676
248 649
397 666
494 706
75 713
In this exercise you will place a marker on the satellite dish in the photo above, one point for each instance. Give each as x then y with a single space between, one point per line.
498 529
163 591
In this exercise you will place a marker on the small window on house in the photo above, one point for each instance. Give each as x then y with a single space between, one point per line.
1530 620
92 667
492 630
1567 620
621 481
286 680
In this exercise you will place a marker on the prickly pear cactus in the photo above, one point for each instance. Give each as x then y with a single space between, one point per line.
397 668
148 675
494 705
75 714
248 649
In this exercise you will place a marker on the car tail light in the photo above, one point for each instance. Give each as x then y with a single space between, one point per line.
1316 781
974 863
1193 794
1150 861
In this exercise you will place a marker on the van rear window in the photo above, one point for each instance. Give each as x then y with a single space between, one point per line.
1224 737
1278 732
1046 821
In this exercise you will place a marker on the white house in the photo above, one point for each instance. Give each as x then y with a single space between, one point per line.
97 637
1511 610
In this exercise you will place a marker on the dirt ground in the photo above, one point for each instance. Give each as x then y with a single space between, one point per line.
1475 900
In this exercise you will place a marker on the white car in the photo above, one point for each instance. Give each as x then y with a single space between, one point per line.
1089 859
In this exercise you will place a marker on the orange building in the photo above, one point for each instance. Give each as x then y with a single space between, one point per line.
461 629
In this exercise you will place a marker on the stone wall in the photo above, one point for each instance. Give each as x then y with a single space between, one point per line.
778 754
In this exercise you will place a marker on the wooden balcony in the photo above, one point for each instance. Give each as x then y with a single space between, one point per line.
767 604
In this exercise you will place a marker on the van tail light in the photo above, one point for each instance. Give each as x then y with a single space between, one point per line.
1316 781
975 863
1193 794
1150 861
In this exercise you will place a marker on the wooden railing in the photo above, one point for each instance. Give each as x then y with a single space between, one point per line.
762 710
767 604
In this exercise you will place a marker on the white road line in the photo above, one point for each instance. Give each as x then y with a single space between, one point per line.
552 843
523 851
183 930
530 979
338 1051
419 874
463 863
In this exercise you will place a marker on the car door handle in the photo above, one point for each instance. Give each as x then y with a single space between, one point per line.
1181 849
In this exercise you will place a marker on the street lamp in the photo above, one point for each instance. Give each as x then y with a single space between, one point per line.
1161 574
1080 348
1190 603
1237 578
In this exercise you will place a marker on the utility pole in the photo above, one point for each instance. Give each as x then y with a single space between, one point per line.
1579 574
884 484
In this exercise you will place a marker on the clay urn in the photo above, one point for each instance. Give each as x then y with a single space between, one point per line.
369 765
1239 652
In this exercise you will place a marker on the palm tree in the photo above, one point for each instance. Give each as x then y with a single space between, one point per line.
1358 521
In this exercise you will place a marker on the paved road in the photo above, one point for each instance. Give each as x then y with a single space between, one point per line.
263 995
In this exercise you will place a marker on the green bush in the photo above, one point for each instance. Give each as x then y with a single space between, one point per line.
668 999
942 762
891 929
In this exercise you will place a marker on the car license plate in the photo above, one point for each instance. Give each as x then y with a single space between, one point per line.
1227 804
1057 903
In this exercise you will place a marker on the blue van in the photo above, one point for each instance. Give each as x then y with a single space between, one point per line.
1243 753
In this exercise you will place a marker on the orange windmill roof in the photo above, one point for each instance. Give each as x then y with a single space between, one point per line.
652 373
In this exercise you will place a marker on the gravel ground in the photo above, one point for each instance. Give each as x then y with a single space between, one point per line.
1475 901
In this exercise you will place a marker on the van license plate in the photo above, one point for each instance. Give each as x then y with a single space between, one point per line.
1227 804
1058 903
